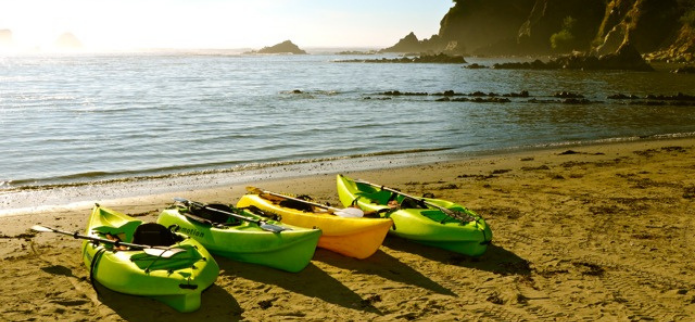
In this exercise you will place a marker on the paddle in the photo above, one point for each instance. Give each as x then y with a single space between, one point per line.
453 214
346 212
149 250
260 223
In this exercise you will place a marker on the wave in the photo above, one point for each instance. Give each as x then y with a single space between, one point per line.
103 177
593 142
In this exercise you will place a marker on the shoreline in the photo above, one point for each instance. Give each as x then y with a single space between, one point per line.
592 232
26 199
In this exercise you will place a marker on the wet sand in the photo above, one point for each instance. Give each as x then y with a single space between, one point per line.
587 233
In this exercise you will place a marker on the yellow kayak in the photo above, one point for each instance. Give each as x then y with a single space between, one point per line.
357 237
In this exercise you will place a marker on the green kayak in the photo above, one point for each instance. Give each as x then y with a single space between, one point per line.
429 221
243 235
176 275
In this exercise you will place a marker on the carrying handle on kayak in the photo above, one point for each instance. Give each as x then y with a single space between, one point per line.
260 223
464 218
346 212
149 250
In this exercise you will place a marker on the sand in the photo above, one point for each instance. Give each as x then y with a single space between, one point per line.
587 233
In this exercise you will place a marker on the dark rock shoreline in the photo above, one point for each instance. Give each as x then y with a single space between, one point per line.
422 59
561 97
626 58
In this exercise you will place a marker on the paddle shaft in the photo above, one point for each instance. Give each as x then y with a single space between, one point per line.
333 209
445 210
258 222
255 221
97 239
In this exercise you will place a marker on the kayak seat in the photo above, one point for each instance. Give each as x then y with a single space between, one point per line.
126 230
215 216
409 203
258 212
154 234
294 204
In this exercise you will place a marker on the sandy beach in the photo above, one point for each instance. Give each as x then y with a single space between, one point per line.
586 233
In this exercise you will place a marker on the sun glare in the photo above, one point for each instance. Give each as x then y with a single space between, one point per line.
42 25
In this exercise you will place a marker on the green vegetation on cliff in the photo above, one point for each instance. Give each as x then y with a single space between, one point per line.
563 40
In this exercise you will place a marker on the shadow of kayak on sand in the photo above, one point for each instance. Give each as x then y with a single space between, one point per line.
216 305
311 282
384 265
495 260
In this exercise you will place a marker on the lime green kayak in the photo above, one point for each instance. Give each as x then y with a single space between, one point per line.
429 221
256 239
176 279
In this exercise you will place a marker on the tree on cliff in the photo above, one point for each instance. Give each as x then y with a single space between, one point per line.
563 40
688 17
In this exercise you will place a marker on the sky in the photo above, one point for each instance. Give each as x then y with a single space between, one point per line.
133 24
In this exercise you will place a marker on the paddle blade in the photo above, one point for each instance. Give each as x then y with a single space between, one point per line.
181 200
41 229
349 213
44 229
163 253
273 228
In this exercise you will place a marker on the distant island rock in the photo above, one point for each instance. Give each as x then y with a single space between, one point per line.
67 41
5 38
285 47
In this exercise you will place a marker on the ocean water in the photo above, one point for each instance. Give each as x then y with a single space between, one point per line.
70 119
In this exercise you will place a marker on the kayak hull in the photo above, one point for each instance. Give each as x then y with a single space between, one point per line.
429 226
176 281
288 250
352 237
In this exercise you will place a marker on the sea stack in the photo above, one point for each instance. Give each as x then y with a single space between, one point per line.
285 47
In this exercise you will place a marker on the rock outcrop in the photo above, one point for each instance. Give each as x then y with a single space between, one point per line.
411 44
408 43
681 50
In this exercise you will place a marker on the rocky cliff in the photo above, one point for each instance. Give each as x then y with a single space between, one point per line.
662 29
